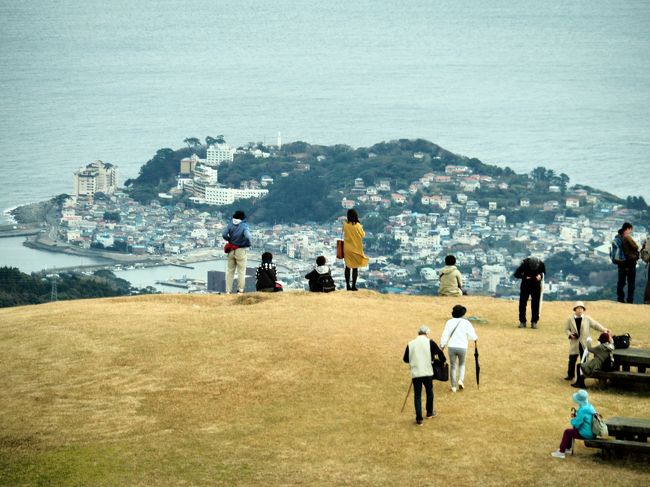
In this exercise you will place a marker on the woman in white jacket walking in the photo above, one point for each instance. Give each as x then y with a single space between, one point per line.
457 333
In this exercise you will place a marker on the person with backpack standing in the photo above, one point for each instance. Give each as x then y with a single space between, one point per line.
320 278
531 272
353 249
626 267
239 239
580 424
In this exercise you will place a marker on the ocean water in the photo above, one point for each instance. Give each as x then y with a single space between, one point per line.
521 84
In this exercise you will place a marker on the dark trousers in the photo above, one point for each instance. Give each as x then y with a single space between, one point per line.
574 371
532 290
626 272
355 273
418 382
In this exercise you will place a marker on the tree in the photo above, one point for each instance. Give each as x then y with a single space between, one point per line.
219 139
113 216
564 182
192 142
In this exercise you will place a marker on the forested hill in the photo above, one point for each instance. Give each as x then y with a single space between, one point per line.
311 180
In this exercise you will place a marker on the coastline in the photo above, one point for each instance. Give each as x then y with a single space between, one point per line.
43 243
9 216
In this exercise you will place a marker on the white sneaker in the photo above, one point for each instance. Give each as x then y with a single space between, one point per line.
461 386
568 451
453 389
558 454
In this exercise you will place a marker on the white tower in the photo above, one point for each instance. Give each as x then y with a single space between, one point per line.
279 141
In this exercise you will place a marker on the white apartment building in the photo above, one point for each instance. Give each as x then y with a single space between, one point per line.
96 177
215 195
218 153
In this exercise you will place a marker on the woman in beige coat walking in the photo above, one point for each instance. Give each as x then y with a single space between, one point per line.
577 329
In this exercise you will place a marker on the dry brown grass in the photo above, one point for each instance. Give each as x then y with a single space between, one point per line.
290 389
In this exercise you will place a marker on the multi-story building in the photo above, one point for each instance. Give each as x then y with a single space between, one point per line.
218 153
96 177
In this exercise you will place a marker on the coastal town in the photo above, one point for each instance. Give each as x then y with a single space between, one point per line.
406 248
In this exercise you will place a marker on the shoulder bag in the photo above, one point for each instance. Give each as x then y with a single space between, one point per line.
441 369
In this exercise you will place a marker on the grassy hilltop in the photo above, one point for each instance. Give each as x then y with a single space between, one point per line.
290 389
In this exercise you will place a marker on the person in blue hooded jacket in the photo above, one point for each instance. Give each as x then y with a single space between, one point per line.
580 422
239 239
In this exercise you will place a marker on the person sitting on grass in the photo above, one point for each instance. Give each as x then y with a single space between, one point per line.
320 278
451 282
580 424
266 275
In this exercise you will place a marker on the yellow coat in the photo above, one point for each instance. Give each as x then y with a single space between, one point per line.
353 245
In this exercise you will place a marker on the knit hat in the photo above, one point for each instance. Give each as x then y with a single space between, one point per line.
579 304
424 330
581 397
458 311
604 337
240 215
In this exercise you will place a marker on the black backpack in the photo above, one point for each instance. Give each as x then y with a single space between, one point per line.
326 283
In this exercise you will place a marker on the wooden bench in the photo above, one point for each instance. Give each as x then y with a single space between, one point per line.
607 446
618 376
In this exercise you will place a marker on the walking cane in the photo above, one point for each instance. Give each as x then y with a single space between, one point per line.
407 396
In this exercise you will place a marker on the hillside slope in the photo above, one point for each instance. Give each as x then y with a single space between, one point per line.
290 389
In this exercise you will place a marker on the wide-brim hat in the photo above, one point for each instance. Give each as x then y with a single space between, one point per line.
581 397
579 304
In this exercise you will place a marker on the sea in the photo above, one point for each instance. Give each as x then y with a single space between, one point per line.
565 85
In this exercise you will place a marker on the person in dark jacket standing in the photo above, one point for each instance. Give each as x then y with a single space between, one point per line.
531 272
239 239
627 269
419 355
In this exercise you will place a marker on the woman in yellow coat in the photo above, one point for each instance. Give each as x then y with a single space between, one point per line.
353 248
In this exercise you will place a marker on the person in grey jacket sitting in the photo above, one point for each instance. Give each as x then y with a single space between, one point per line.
603 355
419 354
239 239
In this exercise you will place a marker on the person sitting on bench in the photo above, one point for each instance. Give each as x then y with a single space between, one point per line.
580 422
603 356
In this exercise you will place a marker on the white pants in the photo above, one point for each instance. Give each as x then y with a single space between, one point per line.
236 261
457 354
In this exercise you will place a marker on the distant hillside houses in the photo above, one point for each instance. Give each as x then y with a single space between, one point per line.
200 178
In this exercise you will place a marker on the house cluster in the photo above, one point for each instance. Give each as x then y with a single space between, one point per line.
200 178
122 223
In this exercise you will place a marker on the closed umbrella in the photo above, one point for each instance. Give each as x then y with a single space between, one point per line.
478 367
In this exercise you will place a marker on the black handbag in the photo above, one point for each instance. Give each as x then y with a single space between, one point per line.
440 370
622 341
